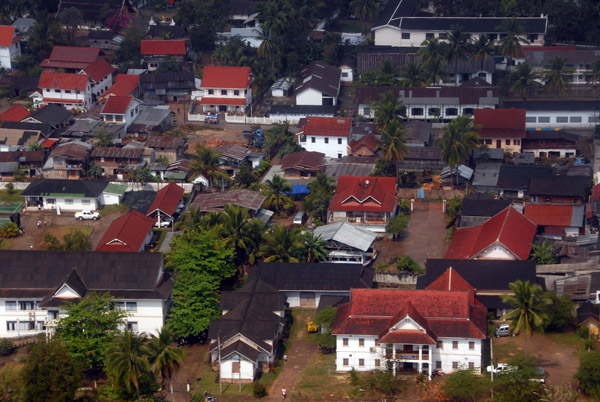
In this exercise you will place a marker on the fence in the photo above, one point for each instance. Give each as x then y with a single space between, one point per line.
247 120
395 279
411 193
131 186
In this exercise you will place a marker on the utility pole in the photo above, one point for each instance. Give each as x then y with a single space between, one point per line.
492 363
219 349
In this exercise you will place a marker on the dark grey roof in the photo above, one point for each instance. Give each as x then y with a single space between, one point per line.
44 128
173 31
320 76
557 105
52 114
586 311
550 135
395 9
470 24
101 34
570 186
307 276
516 177
183 79
80 188
304 110
480 204
242 348
124 275
418 131
483 275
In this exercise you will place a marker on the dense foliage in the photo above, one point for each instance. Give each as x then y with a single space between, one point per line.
464 385
588 373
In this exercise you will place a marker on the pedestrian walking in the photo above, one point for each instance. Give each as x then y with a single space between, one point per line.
283 393
285 358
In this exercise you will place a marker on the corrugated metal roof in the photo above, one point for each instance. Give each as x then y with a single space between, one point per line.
346 233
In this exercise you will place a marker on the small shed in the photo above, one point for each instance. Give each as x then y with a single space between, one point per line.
113 194
282 87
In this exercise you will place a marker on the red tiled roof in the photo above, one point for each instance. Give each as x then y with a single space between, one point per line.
167 199
71 57
500 123
98 70
117 153
163 47
49 143
354 194
15 113
126 233
451 280
74 82
369 141
327 126
408 336
124 85
550 215
508 228
117 104
223 101
226 77
6 35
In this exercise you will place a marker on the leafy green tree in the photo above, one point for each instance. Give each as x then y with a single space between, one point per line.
482 49
393 144
364 10
314 247
204 19
275 190
71 18
165 358
560 312
457 143
397 225
317 202
245 176
129 54
126 361
558 76
432 50
384 168
524 81
588 374
527 314
88 327
387 109
234 52
94 171
511 43
407 264
282 245
435 71
50 374
324 320
276 138
9 229
517 386
268 48
458 44
142 176
541 253
239 231
378 381
103 138
200 261
464 385
206 162
75 240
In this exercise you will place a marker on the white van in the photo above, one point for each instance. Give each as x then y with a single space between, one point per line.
502 330
299 218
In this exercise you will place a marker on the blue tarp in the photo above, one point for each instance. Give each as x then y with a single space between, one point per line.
298 190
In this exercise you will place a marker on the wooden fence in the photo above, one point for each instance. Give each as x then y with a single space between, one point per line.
411 193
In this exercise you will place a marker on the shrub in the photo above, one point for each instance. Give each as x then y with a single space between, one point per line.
588 373
7 347
10 188
258 390
8 230
407 264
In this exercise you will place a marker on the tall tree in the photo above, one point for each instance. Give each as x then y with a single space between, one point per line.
527 315
558 76
321 190
282 245
206 162
71 18
268 46
50 374
393 144
435 71
237 231
275 190
88 327
126 361
364 10
432 50
482 49
524 81
458 141
314 247
412 75
164 357
387 109
458 44
511 42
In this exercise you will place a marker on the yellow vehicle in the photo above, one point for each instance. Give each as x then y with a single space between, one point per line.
312 327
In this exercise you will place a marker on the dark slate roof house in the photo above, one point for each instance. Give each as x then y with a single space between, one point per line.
478 208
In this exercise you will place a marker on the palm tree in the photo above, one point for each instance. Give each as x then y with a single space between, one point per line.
458 44
125 360
524 81
510 44
282 245
432 50
314 248
457 143
388 67
206 162
387 109
558 76
267 48
164 357
194 219
275 190
412 75
393 144
482 49
435 71
236 231
527 315
321 190
364 10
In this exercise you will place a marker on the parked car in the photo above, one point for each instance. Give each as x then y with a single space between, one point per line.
212 118
87 215
500 368
164 223
503 330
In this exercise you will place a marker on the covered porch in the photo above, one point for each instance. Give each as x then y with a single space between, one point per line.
408 358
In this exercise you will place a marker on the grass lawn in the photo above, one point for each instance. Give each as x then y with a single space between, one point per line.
568 339
60 231
109 209
320 381
14 197
4 243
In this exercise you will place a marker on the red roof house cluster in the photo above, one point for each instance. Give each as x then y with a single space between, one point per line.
166 200
73 82
15 113
163 47
500 123
128 233
364 193
327 126
226 77
124 85
70 57
98 70
508 232
117 105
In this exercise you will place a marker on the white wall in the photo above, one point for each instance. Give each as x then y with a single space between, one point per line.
78 204
463 355
332 149
556 119
149 315
110 199
9 54
495 252
69 100
353 352
310 96
101 87
246 368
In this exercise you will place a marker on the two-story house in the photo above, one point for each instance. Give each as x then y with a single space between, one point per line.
100 73
501 128
411 330
37 284
550 144
554 189
226 89
10 46
71 91
328 135
155 52
366 201
319 85
114 160
68 160
121 110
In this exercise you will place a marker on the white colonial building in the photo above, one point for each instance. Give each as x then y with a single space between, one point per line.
10 46
411 330
71 91
225 89
328 135
37 284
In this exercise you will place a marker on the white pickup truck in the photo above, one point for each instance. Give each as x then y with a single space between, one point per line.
88 215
